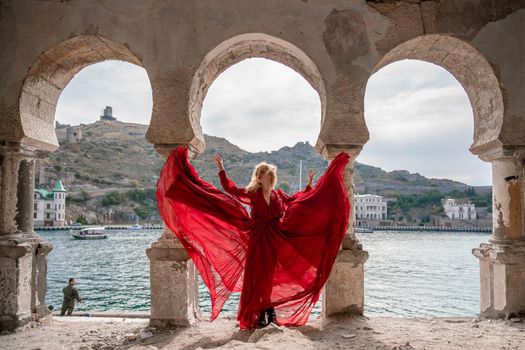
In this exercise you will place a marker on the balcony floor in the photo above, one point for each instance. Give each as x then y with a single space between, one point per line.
336 333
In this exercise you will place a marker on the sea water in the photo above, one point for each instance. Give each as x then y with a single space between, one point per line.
407 273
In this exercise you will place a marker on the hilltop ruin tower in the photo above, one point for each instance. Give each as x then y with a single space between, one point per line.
73 134
107 115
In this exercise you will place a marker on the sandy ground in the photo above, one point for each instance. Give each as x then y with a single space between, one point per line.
335 333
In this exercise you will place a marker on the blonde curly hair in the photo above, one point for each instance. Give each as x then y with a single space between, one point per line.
261 169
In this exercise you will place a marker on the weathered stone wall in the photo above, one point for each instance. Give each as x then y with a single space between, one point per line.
335 45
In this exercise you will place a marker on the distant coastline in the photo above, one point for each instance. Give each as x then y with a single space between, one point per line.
107 185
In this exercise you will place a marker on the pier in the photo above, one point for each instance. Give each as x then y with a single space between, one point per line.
429 228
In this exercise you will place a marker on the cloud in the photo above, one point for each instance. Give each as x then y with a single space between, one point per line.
259 104
420 119
418 115
122 85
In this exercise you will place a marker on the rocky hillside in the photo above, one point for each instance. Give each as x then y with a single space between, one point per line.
111 171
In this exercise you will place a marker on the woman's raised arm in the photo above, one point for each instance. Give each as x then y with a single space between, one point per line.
241 194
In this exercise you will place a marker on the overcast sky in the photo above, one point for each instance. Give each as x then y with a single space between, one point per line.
418 115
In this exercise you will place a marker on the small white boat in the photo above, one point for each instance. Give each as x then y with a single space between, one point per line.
135 227
91 233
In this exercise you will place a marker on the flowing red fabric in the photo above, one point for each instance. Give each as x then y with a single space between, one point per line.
278 255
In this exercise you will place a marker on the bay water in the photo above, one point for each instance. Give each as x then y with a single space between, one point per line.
407 274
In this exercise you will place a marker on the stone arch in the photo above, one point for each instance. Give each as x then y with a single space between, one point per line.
240 47
50 74
472 71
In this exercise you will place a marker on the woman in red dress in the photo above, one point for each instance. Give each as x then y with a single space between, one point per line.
279 255
266 210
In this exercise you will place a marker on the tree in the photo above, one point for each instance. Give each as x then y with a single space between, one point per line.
470 192
113 198
81 219
142 212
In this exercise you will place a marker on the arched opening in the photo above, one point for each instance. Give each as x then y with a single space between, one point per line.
257 98
419 115
93 101
261 105
50 74
245 46
471 70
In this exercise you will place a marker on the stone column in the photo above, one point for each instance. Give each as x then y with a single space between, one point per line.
344 291
502 259
173 277
23 254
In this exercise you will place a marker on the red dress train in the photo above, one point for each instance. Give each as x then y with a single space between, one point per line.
280 255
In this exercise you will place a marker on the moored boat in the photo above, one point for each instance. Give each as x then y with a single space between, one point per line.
135 227
91 233
363 230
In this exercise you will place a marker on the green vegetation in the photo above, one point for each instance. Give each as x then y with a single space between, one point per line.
480 200
80 198
145 203
143 212
141 196
84 195
113 198
399 177
404 206
407 202
81 219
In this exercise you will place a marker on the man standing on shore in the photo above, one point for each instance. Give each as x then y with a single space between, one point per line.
70 295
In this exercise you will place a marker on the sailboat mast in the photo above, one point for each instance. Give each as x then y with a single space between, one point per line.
300 175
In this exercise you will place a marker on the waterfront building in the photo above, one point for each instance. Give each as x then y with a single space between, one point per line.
370 210
50 206
459 208
370 206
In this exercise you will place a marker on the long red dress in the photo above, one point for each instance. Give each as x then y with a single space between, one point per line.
280 255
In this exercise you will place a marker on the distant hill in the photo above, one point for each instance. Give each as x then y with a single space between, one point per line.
115 157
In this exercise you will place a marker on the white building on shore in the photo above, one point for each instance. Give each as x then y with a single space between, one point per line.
459 208
369 207
50 207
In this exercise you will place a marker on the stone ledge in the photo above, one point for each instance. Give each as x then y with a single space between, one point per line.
503 254
167 253
354 257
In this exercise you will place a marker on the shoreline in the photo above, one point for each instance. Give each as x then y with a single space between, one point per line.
107 227
109 314
357 229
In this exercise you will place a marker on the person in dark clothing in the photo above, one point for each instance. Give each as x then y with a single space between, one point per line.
70 295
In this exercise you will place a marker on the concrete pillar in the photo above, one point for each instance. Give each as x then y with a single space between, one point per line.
23 254
345 290
502 260
507 192
173 277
